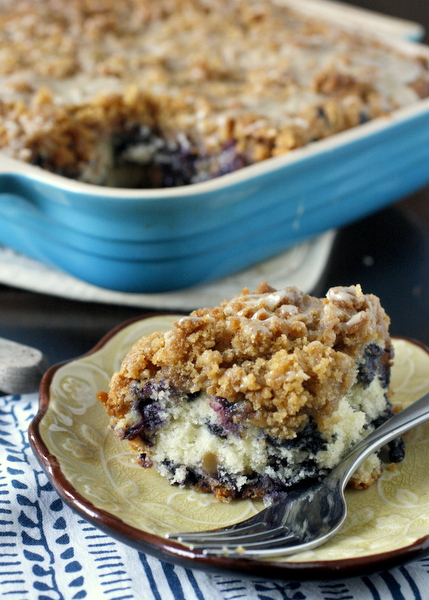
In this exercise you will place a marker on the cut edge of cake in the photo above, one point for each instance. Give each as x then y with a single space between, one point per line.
268 390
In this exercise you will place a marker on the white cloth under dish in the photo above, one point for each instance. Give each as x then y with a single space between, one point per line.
48 551
301 266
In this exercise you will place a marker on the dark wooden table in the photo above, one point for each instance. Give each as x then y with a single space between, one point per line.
387 253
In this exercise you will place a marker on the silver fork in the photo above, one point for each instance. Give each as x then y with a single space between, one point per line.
303 518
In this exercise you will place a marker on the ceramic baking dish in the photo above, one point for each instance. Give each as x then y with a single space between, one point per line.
164 239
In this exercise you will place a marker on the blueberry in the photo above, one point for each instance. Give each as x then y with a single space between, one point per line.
376 362
307 439
397 446
229 160
383 417
153 417
363 117
134 430
397 450
230 414
217 430
151 411
192 478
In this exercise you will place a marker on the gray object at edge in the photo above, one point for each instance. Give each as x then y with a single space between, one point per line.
21 368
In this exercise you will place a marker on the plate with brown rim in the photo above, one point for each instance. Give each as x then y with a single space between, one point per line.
96 475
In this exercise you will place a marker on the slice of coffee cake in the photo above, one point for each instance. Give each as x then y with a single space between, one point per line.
266 391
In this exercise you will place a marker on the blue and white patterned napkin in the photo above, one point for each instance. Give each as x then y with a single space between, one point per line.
48 552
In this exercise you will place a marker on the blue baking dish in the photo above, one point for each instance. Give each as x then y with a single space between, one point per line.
164 239
148 241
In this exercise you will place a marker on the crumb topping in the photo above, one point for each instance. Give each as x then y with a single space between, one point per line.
255 74
287 355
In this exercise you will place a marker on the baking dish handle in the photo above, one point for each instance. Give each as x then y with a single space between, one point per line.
16 208
13 171
23 225
11 166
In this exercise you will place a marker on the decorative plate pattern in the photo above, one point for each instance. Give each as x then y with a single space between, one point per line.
96 474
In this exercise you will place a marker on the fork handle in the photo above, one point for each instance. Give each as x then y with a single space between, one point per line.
415 414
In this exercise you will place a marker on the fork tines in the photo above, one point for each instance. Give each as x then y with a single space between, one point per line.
238 542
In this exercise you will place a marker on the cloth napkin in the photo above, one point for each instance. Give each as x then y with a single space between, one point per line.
48 552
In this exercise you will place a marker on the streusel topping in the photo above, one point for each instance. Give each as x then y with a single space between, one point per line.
253 74
288 355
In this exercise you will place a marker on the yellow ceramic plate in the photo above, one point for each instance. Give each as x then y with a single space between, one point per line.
96 475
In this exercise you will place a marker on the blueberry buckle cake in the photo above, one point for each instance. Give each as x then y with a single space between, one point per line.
266 391
160 93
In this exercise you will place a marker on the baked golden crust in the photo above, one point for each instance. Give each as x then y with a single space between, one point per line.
255 74
288 355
